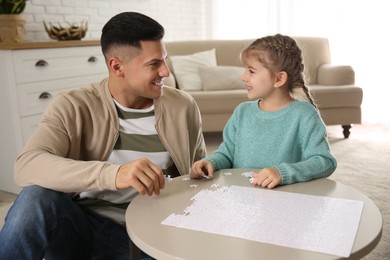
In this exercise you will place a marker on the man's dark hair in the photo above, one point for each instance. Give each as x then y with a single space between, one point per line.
128 29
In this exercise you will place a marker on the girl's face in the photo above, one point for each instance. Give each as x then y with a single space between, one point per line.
258 80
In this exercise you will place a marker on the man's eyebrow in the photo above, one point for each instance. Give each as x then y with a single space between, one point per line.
154 61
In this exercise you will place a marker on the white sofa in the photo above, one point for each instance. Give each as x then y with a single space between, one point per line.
332 86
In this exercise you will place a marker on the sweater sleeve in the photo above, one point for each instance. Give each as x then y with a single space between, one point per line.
317 160
223 157
47 159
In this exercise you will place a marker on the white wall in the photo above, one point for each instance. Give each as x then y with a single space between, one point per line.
357 31
182 19
245 19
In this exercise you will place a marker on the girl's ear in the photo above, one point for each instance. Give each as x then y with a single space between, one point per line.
281 79
115 66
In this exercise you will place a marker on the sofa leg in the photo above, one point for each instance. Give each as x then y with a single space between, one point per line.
346 131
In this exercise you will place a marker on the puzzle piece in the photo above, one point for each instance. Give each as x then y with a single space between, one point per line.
247 174
168 178
206 177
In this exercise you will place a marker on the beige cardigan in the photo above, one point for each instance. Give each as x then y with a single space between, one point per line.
78 131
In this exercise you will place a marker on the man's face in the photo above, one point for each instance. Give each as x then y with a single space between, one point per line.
144 71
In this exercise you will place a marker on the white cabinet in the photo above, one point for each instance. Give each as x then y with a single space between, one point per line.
29 78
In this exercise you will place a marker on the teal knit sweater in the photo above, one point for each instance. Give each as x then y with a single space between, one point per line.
293 140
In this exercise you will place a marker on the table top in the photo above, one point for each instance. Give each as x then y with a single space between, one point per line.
145 214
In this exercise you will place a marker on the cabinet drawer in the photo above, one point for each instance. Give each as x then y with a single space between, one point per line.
57 63
34 97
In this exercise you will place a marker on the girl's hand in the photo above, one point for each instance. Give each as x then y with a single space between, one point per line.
267 178
202 169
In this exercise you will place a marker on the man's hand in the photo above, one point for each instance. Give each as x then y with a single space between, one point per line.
202 168
267 177
143 175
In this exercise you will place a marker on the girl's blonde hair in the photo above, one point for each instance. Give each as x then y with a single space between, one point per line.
281 53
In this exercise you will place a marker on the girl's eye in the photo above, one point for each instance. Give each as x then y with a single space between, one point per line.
250 69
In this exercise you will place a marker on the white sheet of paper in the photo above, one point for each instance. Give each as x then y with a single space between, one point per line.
315 223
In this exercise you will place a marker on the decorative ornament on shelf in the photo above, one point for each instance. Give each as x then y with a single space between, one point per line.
12 21
12 6
72 31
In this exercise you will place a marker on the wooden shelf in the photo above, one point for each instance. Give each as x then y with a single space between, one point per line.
48 44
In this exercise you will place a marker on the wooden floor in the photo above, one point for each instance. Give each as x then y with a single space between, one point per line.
6 197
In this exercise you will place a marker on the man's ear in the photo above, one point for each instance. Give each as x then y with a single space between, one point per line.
281 79
115 66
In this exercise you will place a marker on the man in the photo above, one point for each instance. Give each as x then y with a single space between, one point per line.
97 147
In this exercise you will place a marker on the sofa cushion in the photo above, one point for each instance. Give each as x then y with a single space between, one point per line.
221 77
219 101
186 68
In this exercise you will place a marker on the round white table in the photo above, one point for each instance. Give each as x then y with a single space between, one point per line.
145 214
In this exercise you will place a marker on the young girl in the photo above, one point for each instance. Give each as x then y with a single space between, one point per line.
283 136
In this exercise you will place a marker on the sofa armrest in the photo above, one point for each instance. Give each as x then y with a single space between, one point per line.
335 75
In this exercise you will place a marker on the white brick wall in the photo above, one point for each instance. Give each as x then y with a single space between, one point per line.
183 20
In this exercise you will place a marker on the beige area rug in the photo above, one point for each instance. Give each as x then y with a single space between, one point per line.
363 163
6 200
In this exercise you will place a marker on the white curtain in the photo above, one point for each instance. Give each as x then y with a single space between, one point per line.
357 31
